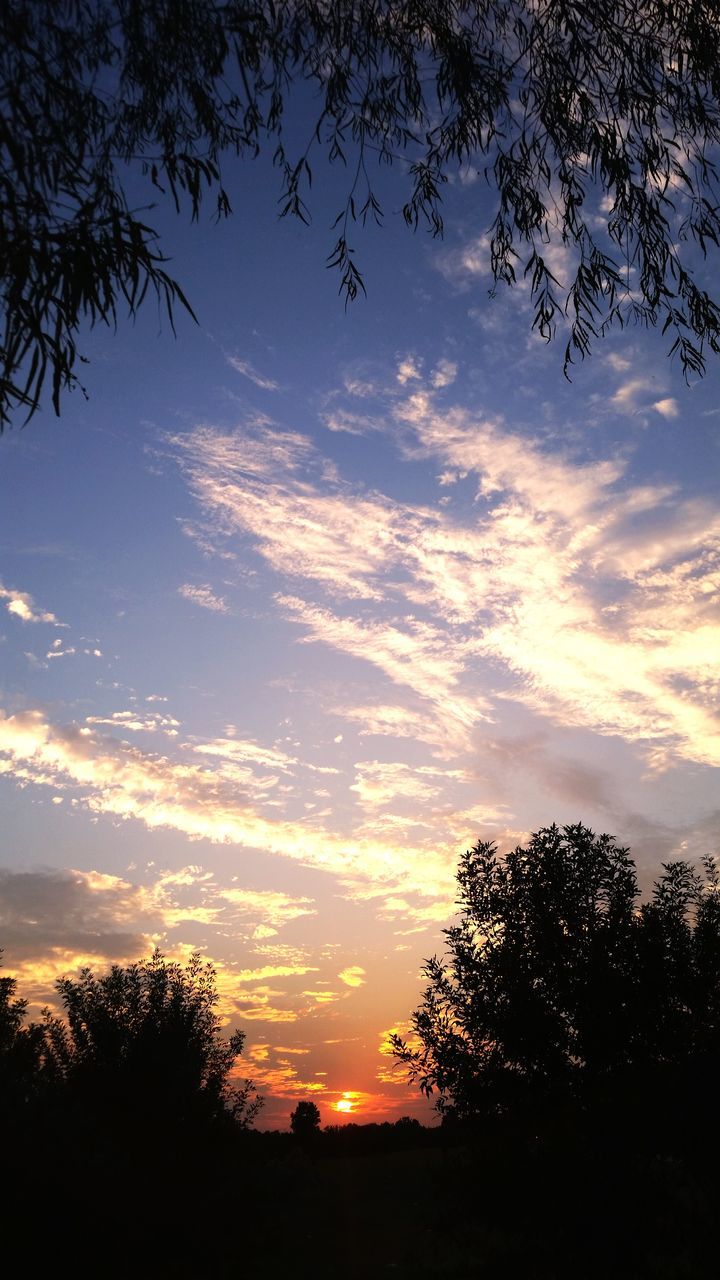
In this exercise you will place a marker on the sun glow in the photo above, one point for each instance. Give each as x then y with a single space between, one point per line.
347 1104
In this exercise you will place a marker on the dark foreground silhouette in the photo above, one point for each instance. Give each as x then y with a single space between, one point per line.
619 1196
576 1050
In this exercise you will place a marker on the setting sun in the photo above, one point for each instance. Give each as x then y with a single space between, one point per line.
346 1104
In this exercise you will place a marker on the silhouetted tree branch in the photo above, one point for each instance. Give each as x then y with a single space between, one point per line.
595 128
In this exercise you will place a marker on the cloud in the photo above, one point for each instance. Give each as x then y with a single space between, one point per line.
352 424
444 374
381 782
617 362
398 720
632 395
132 722
411 652
562 576
555 584
22 606
263 1011
35 663
248 371
116 778
267 909
274 971
55 922
408 370
352 976
580 783
322 997
204 596
272 1071
57 650
462 266
245 751
668 407
46 913
389 1070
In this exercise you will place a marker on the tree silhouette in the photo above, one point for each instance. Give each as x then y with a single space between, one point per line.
21 1053
594 126
143 1043
305 1120
556 984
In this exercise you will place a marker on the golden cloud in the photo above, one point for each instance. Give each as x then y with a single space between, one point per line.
562 576
352 976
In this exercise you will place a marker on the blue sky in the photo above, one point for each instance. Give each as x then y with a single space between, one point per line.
303 602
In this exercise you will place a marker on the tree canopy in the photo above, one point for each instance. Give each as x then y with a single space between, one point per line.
144 1041
21 1051
305 1120
556 980
594 127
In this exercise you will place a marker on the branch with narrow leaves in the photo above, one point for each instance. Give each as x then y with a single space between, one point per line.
595 127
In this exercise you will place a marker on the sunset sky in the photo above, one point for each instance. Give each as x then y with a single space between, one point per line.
302 603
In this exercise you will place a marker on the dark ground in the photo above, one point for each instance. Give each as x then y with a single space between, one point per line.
588 1198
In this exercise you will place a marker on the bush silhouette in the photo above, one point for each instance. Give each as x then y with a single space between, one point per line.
143 1042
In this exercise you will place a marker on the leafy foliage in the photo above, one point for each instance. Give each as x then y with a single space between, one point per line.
145 1040
21 1051
595 126
305 1120
556 982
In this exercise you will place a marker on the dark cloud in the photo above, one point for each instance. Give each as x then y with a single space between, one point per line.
46 912
653 843
574 781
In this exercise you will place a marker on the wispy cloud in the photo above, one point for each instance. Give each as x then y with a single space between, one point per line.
561 576
274 971
248 370
204 596
133 722
465 263
105 775
635 394
267 909
444 374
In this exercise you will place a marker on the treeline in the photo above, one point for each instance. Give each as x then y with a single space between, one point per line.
570 1034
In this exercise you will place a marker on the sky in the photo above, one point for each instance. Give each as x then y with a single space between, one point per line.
303 602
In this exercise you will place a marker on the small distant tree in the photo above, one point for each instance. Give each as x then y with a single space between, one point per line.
305 1120
408 1124
143 1041
556 980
